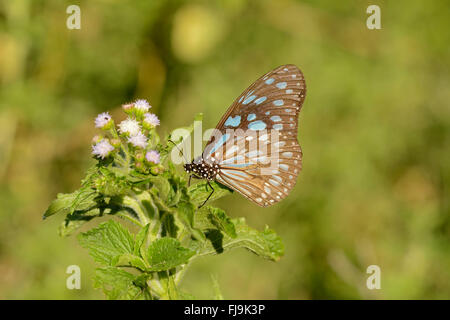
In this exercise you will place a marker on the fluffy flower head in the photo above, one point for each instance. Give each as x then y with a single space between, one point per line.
151 120
129 126
142 105
152 156
102 120
139 140
102 149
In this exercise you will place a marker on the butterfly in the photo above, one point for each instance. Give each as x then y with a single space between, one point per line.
254 149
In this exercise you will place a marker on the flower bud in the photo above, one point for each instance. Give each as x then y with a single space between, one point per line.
158 169
115 143
139 166
128 108
97 138
139 156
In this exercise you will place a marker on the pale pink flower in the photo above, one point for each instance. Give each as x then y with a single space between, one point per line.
102 149
139 140
152 156
102 120
151 120
129 126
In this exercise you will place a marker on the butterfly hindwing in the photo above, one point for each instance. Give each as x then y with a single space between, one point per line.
271 104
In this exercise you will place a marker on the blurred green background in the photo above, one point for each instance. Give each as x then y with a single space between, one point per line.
374 129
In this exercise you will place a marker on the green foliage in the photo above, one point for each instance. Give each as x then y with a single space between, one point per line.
119 284
167 253
172 230
263 243
200 191
108 242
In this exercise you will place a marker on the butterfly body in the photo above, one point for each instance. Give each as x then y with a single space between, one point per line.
254 149
202 169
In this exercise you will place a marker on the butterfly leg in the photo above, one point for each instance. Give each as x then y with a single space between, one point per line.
195 177
209 184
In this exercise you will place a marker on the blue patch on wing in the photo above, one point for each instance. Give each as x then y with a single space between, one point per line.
249 99
278 102
251 117
257 125
275 118
238 165
260 100
235 175
233 122
278 126
281 85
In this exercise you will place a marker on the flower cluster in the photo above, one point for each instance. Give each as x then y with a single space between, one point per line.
130 145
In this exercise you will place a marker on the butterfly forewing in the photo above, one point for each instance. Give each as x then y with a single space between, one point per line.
257 150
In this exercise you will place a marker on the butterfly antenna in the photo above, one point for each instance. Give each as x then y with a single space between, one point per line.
176 146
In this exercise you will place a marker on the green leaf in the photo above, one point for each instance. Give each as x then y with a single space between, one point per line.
185 212
167 253
141 237
169 226
172 289
75 220
210 217
129 260
266 244
162 185
108 240
68 227
62 203
109 182
85 200
80 200
119 284
199 192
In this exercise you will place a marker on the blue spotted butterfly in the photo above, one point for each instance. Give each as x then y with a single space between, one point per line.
255 149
